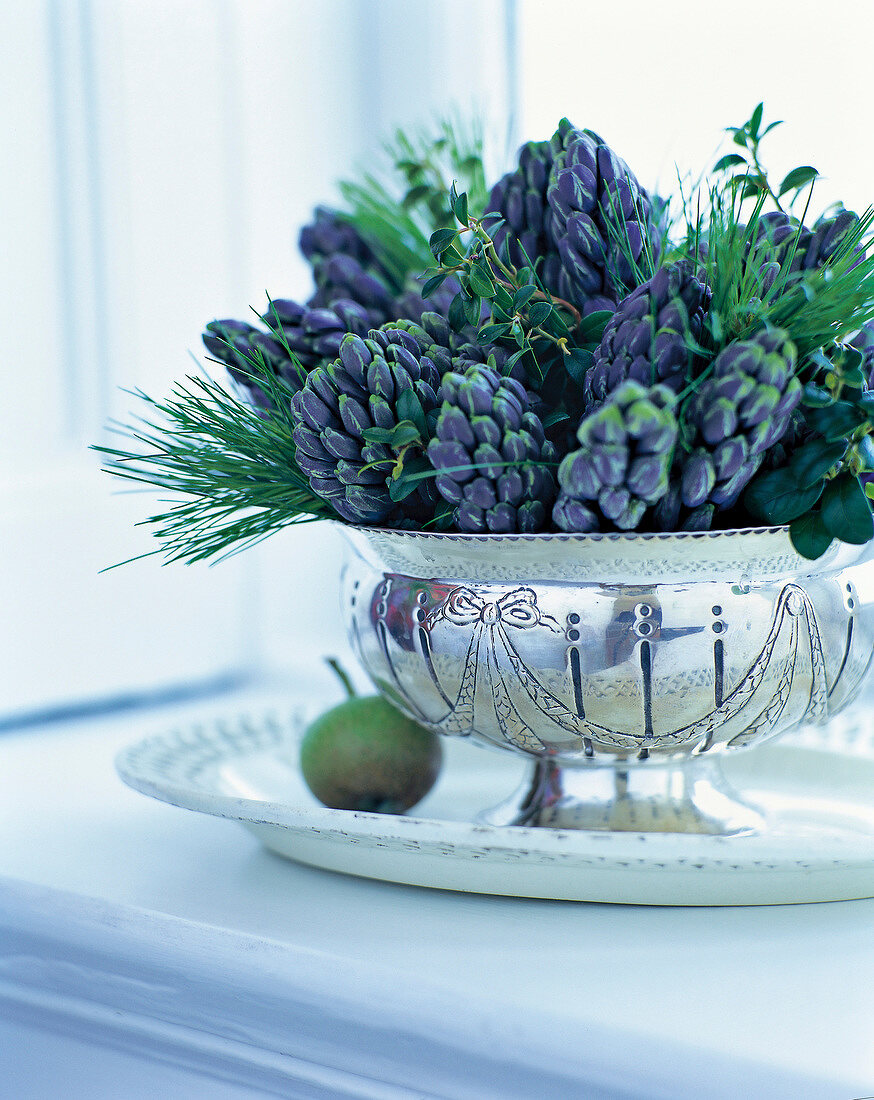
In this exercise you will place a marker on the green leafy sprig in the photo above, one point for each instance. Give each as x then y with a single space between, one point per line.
538 328
745 171
398 205
430 164
819 488
233 467
751 289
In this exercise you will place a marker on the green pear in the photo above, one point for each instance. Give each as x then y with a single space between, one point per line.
365 755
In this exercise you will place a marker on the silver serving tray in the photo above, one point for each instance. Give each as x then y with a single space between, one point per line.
818 844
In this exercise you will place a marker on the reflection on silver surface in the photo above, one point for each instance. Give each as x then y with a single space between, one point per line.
619 663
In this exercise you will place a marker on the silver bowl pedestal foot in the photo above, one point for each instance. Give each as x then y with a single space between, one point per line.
687 796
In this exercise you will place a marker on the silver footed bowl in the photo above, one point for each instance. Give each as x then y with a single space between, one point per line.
623 665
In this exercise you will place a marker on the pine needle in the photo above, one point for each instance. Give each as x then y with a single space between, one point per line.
230 467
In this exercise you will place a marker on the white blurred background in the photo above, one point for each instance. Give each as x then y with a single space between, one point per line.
160 157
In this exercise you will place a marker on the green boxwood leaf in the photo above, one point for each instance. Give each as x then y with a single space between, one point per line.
816 397
488 334
798 177
865 401
538 313
416 467
440 240
557 416
752 185
523 296
593 323
399 436
728 161
472 308
415 195
778 498
434 283
379 435
401 487
818 359
503 301
854 378
809 536
577 362
835 421
756 121
845 510
529 362
556 327
591 328
443 516
456 316
481 284
813 461
851 359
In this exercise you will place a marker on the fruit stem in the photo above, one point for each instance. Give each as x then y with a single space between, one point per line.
342 676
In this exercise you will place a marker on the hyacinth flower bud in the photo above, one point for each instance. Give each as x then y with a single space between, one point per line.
364 388
653 336
491 455
621 468
602 222
741 410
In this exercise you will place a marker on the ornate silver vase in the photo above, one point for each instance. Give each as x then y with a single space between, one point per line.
624 666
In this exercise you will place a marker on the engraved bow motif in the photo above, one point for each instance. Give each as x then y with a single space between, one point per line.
492 666
518 609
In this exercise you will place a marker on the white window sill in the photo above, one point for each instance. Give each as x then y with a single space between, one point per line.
156 940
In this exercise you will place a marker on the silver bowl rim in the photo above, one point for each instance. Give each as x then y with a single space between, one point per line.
562 536
631 556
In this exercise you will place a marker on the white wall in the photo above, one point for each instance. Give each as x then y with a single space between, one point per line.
659 82
161 158
413 61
